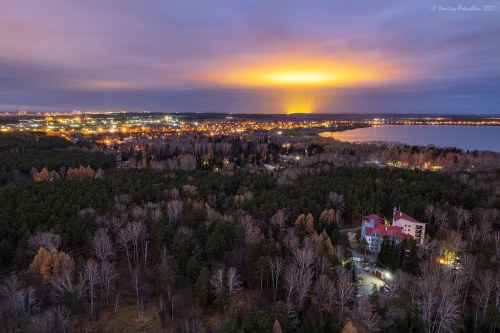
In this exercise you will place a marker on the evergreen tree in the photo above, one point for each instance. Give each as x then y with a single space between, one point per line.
193 267
201 287
412 261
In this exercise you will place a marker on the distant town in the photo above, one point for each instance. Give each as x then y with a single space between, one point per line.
114 126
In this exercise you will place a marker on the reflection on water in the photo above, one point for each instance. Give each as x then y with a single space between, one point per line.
465 137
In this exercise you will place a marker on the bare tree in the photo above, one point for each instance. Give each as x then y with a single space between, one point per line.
304 257
217 281
46 240
156 214
186 231
365 315
279 219
115 224
62 315
212 214
124 238
276 265
485 285
123 199
429 213
338 217
137 288
174 209
138 213
291 240
448 312
193 326
64 284
26 299
322 289
291 282
102 245
441 217
304 285
485 225
136 231
336 199
469 267
10 287
304 260
20 300
233 280
43 322
92 276
248 195
15 306
496 239
463 216
473 234
190 189
401 282
174 193
251 232
437 299
330 297
428 294
212 200
497 299
321 264
345 292
455 242
107 275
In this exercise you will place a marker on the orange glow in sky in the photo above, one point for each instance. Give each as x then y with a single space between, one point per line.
300 77
284 70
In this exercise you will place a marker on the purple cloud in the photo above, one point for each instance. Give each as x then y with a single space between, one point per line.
163 55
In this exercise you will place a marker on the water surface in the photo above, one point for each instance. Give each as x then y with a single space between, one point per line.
464 137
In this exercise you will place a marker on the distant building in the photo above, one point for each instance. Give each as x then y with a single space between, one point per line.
410 226
374 230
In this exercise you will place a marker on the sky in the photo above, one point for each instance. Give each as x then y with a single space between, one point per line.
251 56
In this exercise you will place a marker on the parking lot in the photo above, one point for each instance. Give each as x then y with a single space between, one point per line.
368 278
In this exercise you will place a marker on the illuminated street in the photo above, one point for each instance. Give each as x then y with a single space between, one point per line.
368 278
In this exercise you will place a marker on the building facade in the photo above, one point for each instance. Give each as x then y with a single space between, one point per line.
410 226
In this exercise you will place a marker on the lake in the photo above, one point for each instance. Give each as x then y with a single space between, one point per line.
464 137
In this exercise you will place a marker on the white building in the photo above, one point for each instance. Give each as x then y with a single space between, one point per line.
410 226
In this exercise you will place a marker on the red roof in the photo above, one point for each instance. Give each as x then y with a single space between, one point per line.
384 230
397 215
393 230
373 216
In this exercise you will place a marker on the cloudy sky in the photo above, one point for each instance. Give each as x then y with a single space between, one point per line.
267 56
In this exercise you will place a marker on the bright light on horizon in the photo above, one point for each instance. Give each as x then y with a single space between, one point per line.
296 70
301 77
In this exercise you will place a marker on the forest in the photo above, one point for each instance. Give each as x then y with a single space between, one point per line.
237 249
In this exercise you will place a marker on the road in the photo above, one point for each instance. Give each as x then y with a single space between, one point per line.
353 229
368 278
